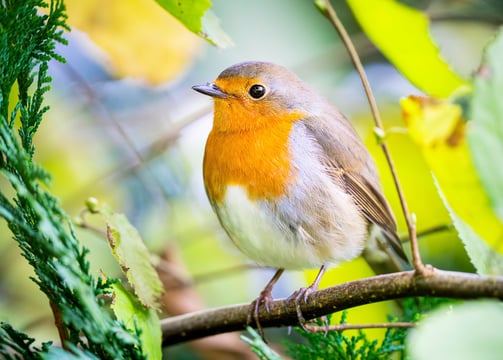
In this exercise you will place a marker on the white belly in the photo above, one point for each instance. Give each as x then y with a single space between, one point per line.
299 232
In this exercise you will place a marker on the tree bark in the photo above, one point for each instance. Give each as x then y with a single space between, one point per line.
434 282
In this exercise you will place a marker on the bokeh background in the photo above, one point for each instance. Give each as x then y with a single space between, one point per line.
126 128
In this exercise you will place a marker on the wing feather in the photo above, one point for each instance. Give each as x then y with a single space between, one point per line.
375 208
352 167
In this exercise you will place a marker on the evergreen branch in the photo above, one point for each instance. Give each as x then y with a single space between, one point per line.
334 344
437 283
40 227
16 345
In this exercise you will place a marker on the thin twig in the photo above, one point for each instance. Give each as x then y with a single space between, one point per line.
64 336
81 222
103 114
434 230
344 327
430 231
154 149
327 10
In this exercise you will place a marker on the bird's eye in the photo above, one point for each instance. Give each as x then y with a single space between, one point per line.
257 91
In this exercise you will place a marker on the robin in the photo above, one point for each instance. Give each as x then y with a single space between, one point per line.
288 177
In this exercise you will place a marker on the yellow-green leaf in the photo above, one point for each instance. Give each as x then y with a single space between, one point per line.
197 17
133 257
138 317
484 259
440 132
401 33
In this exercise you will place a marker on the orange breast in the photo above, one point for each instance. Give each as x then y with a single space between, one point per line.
257 159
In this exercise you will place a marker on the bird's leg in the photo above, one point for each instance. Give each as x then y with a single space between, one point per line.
303 293
263 299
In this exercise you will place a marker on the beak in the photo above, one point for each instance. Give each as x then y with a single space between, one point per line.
211 89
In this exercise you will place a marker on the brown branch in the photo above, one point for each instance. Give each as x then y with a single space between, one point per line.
326 9
63 333
437 283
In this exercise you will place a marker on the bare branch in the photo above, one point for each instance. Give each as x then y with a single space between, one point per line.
63 333
436 283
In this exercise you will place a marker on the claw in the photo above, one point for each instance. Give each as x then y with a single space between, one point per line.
264 299
303 294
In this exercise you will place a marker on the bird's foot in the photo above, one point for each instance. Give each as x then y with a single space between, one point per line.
300 296
262 301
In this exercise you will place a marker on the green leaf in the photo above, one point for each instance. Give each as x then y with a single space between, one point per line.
401 34
137 317
485 133
197 17
468 331
133 256
483 257
213 32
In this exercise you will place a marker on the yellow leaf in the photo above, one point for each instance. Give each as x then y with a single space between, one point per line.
433 122
140 39
401 33
439 130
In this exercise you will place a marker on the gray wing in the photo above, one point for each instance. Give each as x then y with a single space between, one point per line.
375 208
349 163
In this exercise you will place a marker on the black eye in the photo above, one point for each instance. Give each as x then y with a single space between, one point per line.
256 91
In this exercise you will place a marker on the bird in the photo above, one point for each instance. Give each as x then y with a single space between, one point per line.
289 179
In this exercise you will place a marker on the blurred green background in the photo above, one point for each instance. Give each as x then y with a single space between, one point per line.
133 135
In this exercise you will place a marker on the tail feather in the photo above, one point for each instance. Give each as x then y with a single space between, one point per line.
384 252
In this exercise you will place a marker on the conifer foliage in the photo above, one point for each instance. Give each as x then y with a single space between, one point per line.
29 32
